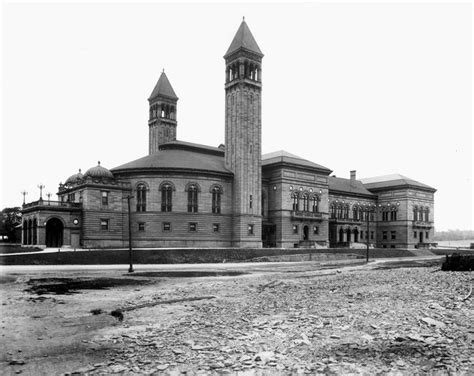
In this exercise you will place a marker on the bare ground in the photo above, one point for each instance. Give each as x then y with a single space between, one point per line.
395 318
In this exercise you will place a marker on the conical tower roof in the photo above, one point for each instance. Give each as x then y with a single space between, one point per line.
163 87
245 40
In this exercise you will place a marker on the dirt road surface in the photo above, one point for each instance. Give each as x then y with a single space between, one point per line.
386 317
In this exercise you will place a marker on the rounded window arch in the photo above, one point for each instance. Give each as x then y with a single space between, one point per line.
295 201
166 189
193 189
141 192
216 193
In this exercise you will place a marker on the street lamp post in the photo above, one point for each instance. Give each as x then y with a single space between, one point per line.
24 193
41 186
368 230
130 269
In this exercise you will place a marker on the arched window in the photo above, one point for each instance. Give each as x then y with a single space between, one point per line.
305 202
355 213
295 198
35 228
192 199
315 201
427 215
346 211
216 199
30 231
393 214
25 232
166 198
141 198
332 210
415 213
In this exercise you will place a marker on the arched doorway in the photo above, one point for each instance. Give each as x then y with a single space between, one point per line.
54 233
348 231
305 233
356 235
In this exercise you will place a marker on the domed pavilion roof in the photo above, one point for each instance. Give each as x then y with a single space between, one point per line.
73 178
99 172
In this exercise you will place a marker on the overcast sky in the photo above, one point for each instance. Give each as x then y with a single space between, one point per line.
380 88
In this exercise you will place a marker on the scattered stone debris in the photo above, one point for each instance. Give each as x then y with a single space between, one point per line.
402 321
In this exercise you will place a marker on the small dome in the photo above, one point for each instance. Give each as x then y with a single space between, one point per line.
74 178
99 172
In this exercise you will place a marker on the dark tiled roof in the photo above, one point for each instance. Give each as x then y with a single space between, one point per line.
244 39
179 155
394 181
344 185
282 156
163 87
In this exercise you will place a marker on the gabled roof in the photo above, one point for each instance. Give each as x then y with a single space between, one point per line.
243 39
394 181
163 88
344 186
283 156
178 155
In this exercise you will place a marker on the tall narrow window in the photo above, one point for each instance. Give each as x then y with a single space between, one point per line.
141 198
192 199
427 215
35 231
305 202
315 201
393 215
166 198
216 200
415 213
105 198
332 211
295 201
250 202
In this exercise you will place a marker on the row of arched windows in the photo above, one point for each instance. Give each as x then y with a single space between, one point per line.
421 213
341 211
247 70
30 232
167 189
305 202
165 111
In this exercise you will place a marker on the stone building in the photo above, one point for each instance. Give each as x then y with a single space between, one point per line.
188 195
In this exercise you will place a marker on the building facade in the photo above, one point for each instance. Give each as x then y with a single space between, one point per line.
189 195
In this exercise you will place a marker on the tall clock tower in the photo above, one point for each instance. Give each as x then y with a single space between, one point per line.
243 135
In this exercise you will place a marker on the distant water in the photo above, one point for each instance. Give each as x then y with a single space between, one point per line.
455 243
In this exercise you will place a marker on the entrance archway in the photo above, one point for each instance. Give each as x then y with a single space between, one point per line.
54 233
305 233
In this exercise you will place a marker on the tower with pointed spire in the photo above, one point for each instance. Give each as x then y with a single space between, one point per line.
162 122
243 135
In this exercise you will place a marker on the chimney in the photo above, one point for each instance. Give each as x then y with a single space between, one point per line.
353 178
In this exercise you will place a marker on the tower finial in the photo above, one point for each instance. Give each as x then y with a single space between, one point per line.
163 71
243 18
98 162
